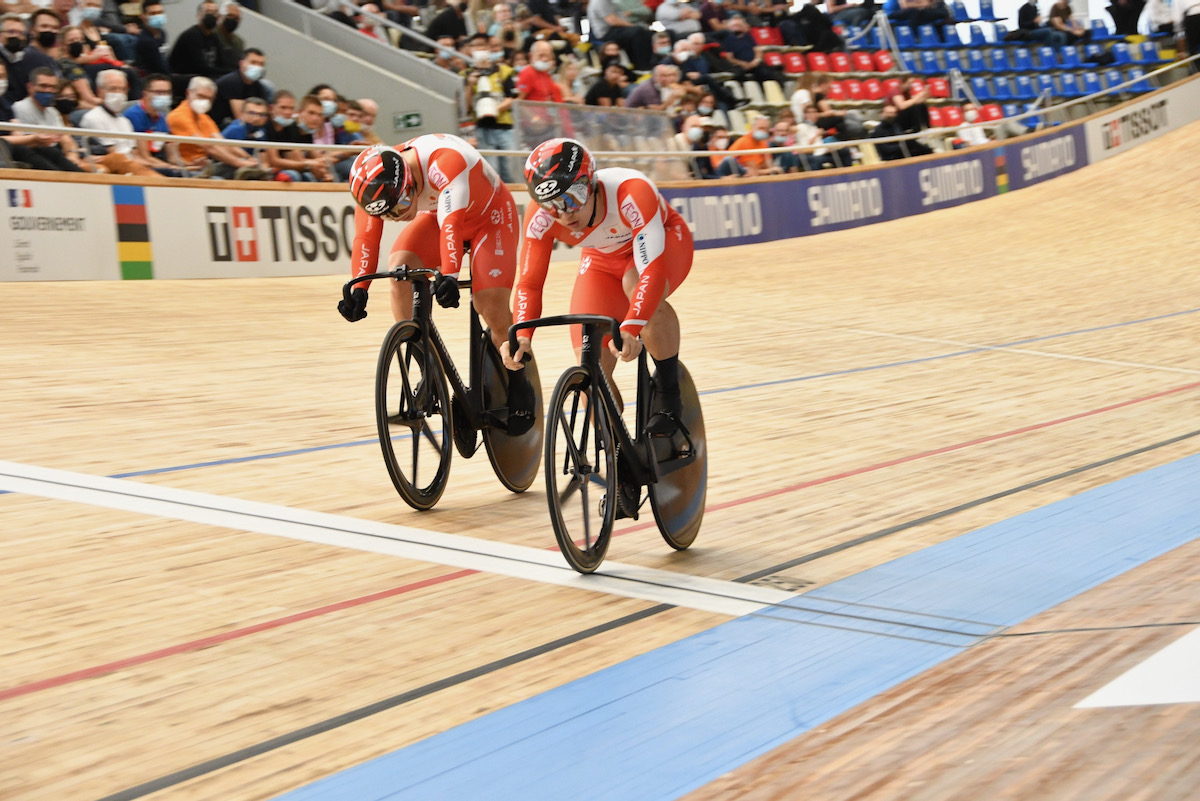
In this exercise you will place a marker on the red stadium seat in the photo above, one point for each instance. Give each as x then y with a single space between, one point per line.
939 88
837 92
767 37
891 87
818 62
793 63
773 58
952 115
872 89
862 61
935 117
918 85
838 62
884 61
854 90
991 112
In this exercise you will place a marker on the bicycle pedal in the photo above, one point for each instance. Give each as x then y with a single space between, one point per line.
465 439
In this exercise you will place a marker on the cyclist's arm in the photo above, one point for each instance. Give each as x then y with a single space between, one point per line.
364 251
532 266
448 173
638 203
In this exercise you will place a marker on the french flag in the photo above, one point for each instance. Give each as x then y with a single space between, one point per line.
20 198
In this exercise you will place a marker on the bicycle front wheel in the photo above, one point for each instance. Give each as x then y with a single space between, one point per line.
581 471
412 410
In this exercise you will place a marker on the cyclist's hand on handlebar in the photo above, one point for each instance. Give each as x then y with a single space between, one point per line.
631 346
446 291
516 361
355 308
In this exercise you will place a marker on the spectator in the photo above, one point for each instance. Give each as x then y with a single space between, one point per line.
610 89
370 109
741 50
781 136
302 164
754 164
804 95
680 19
608 24
660 43
36 150
250 126
100 28
491 88
915 13
718 141
232 45
713 17
190 118
1187 27
70 65
236 86
1061 20
368 23
59 151
449 22
447 57
342 160
845 12
689 57
43 43
66 100
151 44
847 124
661 91
401 12
198 49
115 154
534 81
1125 14
150 116
14 35
1031 29
695 134
971 135
569 82
889 126
808 132
1160 17
324 134
912 113
505 28
543 23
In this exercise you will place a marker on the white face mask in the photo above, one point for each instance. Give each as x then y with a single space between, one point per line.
200 106
543 66
681 57
971 115
720 144
695 134
115 101
3 86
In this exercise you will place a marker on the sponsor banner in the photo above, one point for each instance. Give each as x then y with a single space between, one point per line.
57 232
222 233
1049 156
1142 121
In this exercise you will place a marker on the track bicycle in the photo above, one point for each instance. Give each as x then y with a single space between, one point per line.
596 470
418 415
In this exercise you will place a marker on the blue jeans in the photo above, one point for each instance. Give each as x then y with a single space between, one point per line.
729 166
498 139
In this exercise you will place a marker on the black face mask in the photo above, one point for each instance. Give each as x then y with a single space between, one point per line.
47 39
14 44
75 49
208 22
230 24
65 106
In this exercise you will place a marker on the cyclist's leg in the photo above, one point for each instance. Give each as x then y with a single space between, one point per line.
416 246
494 264
598 291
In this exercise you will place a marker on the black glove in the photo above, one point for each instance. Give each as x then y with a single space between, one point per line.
356 308
446 292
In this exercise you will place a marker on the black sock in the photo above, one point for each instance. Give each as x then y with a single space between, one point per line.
668 375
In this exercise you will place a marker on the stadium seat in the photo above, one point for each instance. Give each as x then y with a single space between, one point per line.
1069 58
953 60
1023 89
927 37
929 63
720 119
773 59
1091 83
818 62
1112 78
1046 58
1120 54
1142 85
981 88
884 61
1092 51
862 61
999 60
1034 121
1070 85
960 11
935 117
838 62
1045 83
976 37
793 63
975 63
737 121
837 92
987 11
990 112
910 61
1000 32
1021 60
872 89
767 37
1101 33
939 88
1010 109
754 93
774 93
853 37
1002 88
950 37
736 90
854 90
904 37
1147 53
891 87
953 115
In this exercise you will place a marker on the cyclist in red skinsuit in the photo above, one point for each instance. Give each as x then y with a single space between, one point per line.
637 250
449 195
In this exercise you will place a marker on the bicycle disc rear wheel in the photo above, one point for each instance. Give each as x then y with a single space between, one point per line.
412 411
678 496
514 459
581 471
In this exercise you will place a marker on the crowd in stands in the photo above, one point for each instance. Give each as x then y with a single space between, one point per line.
107 68
115 72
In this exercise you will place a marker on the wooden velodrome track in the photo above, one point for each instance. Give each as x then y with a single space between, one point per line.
145 655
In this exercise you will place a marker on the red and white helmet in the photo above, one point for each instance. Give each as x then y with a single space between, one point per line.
560 174
382 183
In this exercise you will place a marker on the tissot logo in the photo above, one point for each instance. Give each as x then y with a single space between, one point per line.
279 233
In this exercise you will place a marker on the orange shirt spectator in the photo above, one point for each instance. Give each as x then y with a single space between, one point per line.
760 161
185 121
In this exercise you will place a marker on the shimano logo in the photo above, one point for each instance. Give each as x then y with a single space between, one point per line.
839 203
721 216
950 182
1047 158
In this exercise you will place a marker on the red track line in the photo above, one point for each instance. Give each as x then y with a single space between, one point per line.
205 642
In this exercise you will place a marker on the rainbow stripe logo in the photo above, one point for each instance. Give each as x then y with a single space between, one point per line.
133 234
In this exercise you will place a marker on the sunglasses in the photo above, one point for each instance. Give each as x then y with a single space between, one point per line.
574 199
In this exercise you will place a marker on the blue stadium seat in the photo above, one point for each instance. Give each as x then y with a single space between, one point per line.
904 37
1070 85
1024 88
960 11
1147 53
1142 85
930 64
1120 54
1034 121
999 60
1046 58
1045 82
1021 60
981 88
1113 78
1100 32
987 11
950 37
975 63
1002 88
1010 109
1070 58
977 39
1091 50
953 60
1091 83
910 61
1000 32
927 37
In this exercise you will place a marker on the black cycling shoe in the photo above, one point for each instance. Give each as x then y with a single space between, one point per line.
521 403
666 420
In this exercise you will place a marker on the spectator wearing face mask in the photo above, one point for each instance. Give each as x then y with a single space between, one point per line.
198 49
232 45
71 64
114 154
718 140
450 21
971 136
42 51
754 164
151 41
781 136
190 118
58 151
149 115
370 110
610 89
536 82
14 35
662 91
234 87
249 127
284 126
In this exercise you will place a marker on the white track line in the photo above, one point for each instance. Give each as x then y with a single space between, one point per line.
452 550
1023 351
